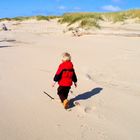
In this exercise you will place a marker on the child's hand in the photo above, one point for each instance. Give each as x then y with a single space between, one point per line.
53 84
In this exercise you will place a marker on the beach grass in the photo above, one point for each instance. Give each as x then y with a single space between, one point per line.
86 19
121 16
22 18
93 19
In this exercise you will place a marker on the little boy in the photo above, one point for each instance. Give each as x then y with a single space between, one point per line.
65 76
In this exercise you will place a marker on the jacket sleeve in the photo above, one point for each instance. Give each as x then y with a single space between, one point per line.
74 77
58 74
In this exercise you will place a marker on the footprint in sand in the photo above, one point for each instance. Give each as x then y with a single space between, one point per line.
83 109
87 109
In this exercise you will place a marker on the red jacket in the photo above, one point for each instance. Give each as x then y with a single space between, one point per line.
65 74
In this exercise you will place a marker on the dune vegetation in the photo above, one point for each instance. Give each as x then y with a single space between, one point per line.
20 18
121 16
85 19
88 20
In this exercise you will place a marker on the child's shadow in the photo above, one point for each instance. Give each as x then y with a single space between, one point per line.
85 96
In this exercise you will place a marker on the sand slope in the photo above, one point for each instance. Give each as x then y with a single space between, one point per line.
108 85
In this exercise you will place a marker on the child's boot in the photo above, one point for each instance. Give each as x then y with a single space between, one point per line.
66 104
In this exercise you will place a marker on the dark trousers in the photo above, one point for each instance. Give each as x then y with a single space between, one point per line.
63 92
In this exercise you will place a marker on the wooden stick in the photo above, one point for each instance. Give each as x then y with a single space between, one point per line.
49 95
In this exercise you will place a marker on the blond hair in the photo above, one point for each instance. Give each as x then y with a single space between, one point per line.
66 57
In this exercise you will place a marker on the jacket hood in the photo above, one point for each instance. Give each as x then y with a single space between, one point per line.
67 65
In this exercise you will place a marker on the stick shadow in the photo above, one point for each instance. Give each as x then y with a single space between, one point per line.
85 96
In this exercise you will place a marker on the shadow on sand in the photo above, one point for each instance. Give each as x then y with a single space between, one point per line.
8 40
85 96
5 46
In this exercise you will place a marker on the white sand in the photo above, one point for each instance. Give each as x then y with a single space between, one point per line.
29 57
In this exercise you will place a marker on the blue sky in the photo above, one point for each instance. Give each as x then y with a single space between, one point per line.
13 8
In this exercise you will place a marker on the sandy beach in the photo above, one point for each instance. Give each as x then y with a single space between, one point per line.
107 63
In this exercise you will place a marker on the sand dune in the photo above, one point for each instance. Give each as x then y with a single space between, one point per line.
108 84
